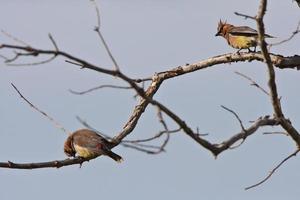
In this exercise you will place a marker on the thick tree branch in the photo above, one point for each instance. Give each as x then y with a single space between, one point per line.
279 61
285 123
146 96
157 79
50 164
214 148
261 122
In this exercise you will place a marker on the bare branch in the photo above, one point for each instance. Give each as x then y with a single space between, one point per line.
50 164
97 29
53 42
241 124
278 60
17 40
9 61
99 87
146 96
164 124
267 59
139 80
159 134
97 13
253 83
28 64
285 123
273 170
57 124
140 149
200 134
276 133
245 16
294 33
260 122
236 116
238 145
4 57
154 86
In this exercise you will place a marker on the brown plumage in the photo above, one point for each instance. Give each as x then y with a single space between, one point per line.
239 37
86 143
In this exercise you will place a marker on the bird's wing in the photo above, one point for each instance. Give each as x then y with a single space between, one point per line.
88 139
85 142
243 31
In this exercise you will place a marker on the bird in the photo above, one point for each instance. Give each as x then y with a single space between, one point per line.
239 37
87 144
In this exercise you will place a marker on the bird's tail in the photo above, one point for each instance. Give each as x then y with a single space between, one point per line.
114 156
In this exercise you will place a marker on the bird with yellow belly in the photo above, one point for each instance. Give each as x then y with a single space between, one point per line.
88 144
239 37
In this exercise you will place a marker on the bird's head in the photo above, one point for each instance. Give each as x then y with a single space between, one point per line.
222 28
68 147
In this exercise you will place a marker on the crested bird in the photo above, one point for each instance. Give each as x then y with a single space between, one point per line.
239 37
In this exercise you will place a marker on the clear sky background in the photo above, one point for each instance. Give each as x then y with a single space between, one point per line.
145 37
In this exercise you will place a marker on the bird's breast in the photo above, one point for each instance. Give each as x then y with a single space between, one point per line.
85 152
242 42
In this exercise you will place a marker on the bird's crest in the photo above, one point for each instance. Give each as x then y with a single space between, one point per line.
220 31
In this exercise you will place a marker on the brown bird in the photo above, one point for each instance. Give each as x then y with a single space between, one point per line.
239 37
86 143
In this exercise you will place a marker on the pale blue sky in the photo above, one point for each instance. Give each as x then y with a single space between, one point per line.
145 37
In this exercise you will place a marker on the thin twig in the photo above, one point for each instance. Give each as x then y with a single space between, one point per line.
273 170
53 42
99 87
97 29
57 124
238 145
150 146
276 133
142 80
139 148
294 33
160 133
253 83
84 123
245 16
4 58
161 119
200 134
75 63
31 64
97 13
242 127
164 124
19 54
17 40
236 116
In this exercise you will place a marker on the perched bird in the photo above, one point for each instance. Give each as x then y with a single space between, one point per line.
86 143
239 37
